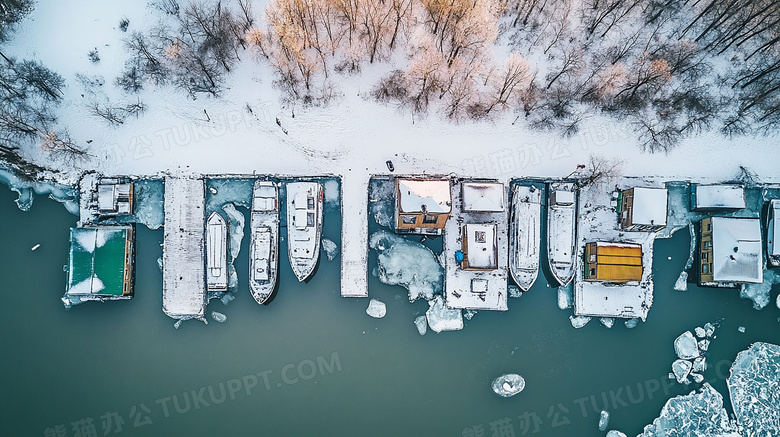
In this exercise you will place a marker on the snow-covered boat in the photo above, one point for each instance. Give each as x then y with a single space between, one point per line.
216 253
304 226
264 244
524 234
773 232
561 219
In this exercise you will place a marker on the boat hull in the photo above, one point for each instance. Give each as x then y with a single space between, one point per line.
525 228
773 260
264 243
561 233
216 252
304 227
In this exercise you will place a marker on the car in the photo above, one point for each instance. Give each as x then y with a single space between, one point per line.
390 165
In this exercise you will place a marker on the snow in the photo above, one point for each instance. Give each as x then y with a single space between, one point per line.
607 322
440 318
429 195
330 248
754 388
681 370
64 194
686 347
565 296
469 314
697 414
719 196
354 236
508 385
650 206
579 321
408 264
422 324
483 197
603 420
376 309
218 317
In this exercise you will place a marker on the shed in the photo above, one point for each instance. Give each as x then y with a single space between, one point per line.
422 205
483 196
643 209
717 197
730 251
613 262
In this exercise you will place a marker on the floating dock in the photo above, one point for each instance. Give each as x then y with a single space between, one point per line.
354 252
184 287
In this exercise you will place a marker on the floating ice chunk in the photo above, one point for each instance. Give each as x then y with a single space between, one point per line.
699 364
565 297
700 332
681 284
508 385
226 298
177 323
579 321
758 293
468 314
218 317
440 318
213 190
777 303
681 370
698 378
603 420
671 376
422 324
685 346
376 309
697 414
330 248
381 201
631 323
330 193
704 344
514 291
34 248
613 433
149 195
709 328
754 387
741 329
408 264
608 322
159 263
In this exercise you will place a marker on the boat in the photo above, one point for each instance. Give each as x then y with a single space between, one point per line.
772 232
525 227
216 253
561 220
304 226
264 243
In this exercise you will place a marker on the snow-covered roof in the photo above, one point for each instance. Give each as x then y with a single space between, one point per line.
649 206
483 196
720 196
432 194
481 243
736 250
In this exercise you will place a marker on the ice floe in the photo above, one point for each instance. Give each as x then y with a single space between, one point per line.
565 299
681 370
760 294
508 385
700 332
218 317
422 324
613 433
330 248
607 321
579 321
440 318
603 420
631 323
698 414
408 264
686 347
754 387
376 309
514 291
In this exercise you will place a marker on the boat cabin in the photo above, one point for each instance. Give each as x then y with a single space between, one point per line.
772 233
100 265
717 197
422 205
480 248
643 209
114 197
730 251
613 262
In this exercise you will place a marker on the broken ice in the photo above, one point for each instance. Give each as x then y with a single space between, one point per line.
698 414
579 321
681 370
409 264
686 347
422 324
440 318
330 248
741 329
614 433
608 322
565 297
218 317
603 420
754 387
376 309
508 385
700 332
514 291
631 323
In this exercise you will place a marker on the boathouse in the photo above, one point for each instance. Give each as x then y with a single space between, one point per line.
115 196
730 251
717 197
422 205
100 265
643 209
613 262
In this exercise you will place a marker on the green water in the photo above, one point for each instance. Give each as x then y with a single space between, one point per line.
330 369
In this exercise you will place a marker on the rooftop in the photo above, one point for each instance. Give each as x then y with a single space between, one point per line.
481 244
424 195
649 206
97 261
719 196
736 250
483 196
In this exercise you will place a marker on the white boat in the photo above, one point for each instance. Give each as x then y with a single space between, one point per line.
773 232
561 220
264 244
216 253
304 226
524 235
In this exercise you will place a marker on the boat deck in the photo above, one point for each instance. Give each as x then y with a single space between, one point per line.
354 252
184 288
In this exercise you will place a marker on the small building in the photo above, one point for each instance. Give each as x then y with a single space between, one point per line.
643 209
100 265
717 197
114 197
613 262
483 196
422 205
730 251
480 247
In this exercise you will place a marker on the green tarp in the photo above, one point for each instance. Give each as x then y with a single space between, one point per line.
97 261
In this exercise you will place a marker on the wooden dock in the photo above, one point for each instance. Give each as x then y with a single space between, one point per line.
184 288
354 252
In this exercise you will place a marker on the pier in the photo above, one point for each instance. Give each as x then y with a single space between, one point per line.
354 252
184 288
